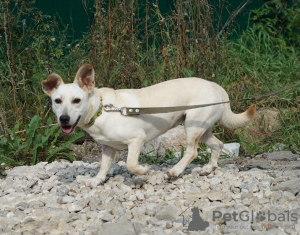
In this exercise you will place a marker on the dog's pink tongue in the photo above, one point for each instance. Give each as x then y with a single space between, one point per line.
66 129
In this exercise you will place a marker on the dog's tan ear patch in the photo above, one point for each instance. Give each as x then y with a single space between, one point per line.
85 78
51 83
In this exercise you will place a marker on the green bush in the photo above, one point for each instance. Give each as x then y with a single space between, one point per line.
266 57
280 21
39 144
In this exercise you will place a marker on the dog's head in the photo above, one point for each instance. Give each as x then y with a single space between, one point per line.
70 101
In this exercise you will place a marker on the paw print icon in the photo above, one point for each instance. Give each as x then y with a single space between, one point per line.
260 216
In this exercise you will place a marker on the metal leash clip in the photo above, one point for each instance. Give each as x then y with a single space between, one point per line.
112 108
125 111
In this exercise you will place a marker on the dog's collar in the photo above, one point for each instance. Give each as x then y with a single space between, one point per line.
96 115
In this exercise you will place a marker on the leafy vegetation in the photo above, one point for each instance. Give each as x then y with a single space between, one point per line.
132 45
40 144
279 21
266 57
169 157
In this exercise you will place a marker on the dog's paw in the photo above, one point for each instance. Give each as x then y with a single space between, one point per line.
144 169
93 183
207 169
171 174
174 172
140 169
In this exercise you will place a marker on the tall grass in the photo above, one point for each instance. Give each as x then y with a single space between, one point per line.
262 60
138 46
32 46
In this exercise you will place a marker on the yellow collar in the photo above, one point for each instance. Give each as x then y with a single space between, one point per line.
96 115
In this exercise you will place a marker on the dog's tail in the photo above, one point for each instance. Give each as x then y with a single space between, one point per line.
232 120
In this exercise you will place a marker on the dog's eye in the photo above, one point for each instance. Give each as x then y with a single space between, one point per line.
58 101
76 100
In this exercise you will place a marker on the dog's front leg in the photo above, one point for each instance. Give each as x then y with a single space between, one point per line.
134 149
108 155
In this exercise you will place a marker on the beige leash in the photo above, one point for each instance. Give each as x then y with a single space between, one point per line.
128 111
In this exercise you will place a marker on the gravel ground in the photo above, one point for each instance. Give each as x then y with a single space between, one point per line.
258 195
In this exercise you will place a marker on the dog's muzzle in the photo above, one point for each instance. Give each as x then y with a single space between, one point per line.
65 126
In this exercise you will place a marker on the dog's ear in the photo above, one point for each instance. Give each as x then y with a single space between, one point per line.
51 83
85 78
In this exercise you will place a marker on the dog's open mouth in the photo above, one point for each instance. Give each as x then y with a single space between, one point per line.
67 129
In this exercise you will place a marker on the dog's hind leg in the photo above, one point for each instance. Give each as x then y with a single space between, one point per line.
193 136
134 149
216 147
108 155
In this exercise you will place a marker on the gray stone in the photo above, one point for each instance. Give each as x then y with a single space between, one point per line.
257 164
173 139
150 208
50 183
53 205
140 195
161 223
28 220
216 196
168 213
21 206
292 186
178 181
139 182
274 231
74 207
122 227
242 185
236 226
246 202
169 225
21 171
105 216
289 169
36 204
157 178
31 183
132 198
138 227
67 175
81 170
94 171
68 199
62 191
281 156
43 176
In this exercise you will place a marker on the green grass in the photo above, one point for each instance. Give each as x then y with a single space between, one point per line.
169 158
260 67
41 144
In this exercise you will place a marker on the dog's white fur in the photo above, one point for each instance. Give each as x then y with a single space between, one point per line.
116 132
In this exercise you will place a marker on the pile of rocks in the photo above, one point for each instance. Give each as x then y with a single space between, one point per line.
238 198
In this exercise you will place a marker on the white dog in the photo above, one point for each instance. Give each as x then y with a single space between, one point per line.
78 103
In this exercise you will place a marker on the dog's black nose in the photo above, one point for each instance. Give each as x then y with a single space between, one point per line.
64 119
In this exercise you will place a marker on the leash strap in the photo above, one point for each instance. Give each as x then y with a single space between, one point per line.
151 110
128 111
259 97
